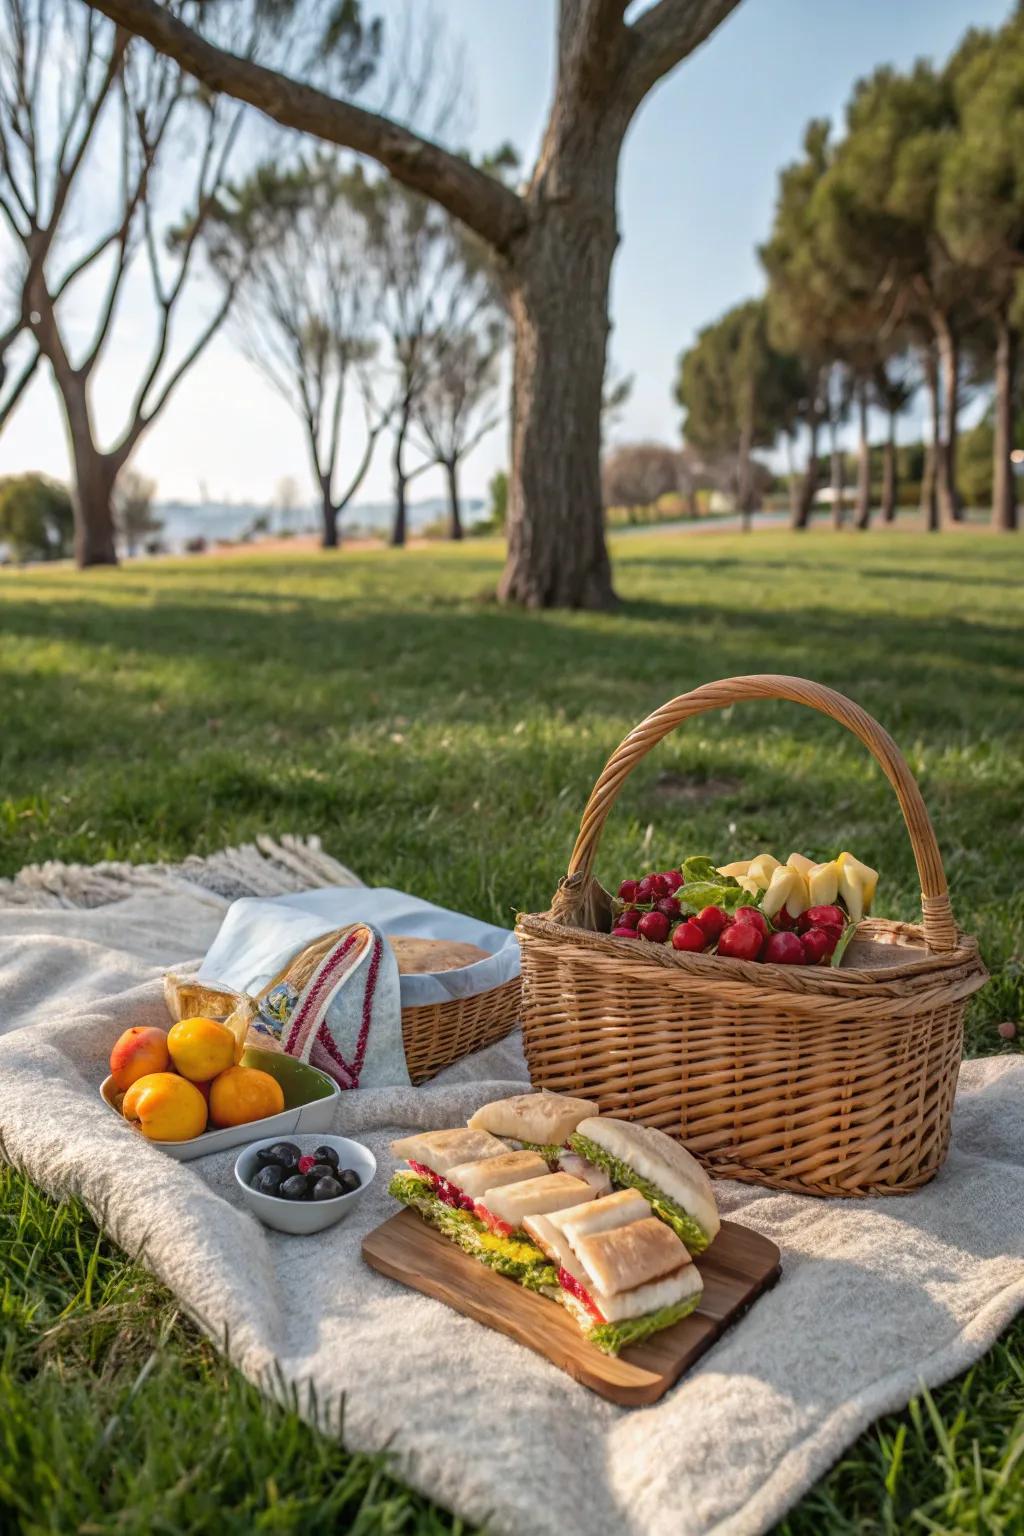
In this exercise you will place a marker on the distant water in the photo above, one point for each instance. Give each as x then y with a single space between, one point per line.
213 520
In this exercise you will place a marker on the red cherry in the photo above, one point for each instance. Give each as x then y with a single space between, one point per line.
740 941
713 920
653 926
783 949
673 878
689 935
627 890
755 917
783 919
625 933
628 918
817 943
670 906
306 1163
645 890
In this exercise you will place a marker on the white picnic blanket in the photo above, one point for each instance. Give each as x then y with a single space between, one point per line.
876 1298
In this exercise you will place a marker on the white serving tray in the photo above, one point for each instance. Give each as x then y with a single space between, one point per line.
310 1097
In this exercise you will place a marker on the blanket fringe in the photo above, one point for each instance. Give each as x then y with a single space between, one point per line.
268 867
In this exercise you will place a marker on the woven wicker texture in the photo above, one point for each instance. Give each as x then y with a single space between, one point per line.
827 1082
440 1034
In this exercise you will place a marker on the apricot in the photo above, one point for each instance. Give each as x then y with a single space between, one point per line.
242 1094
165 1107
138 1052
201 1048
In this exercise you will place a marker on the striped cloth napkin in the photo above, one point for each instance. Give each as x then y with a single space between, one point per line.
348 1012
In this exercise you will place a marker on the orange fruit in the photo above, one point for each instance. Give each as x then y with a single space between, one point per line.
242 1094
138 1052
201 1048
165 1107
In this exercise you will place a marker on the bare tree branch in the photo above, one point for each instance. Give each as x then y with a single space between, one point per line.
141 419
373 433
664 35
480 201
18 388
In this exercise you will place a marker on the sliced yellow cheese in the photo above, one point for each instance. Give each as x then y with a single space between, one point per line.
734 871
823 884
857 885
783 884
800 863
752 887
798 899
762 868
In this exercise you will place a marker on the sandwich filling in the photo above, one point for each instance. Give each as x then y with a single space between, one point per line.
682 1223
515 1257
614 1337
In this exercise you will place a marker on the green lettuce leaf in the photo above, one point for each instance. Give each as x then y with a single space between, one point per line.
613 1337
701 868
515 1257
549 1151
844 939
695 896
683 1225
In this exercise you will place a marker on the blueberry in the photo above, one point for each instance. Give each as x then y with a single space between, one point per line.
295 1187
268 1179
349 1180
285 1154
327 1188
326 1155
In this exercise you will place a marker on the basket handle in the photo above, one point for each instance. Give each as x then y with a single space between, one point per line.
937 917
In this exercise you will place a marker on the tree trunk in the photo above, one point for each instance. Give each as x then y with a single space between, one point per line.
399 527
745 476
863 460
329 515
801 515
92 496
889 473
1004 485
792 484
558 294
950 505
454 513
837 477
929 477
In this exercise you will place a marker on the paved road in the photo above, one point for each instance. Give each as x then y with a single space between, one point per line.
707 525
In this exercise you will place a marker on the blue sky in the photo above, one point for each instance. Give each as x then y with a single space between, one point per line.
697 187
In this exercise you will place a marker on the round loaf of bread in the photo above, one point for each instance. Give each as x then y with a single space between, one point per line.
420 956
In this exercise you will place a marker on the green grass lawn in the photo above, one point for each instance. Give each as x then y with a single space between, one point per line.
440 743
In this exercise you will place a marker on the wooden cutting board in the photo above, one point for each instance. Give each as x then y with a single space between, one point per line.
738 1266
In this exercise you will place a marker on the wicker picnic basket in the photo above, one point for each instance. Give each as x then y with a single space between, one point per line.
434 1035
823 1081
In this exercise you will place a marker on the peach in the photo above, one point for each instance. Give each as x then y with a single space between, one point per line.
201 1048
165 1107
242 1094
138 1052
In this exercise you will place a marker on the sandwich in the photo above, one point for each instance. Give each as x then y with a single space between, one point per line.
506 1208
596 1213
622 1274
468 1185
541 1122
637 1157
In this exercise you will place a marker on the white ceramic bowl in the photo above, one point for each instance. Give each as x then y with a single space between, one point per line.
300 1217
